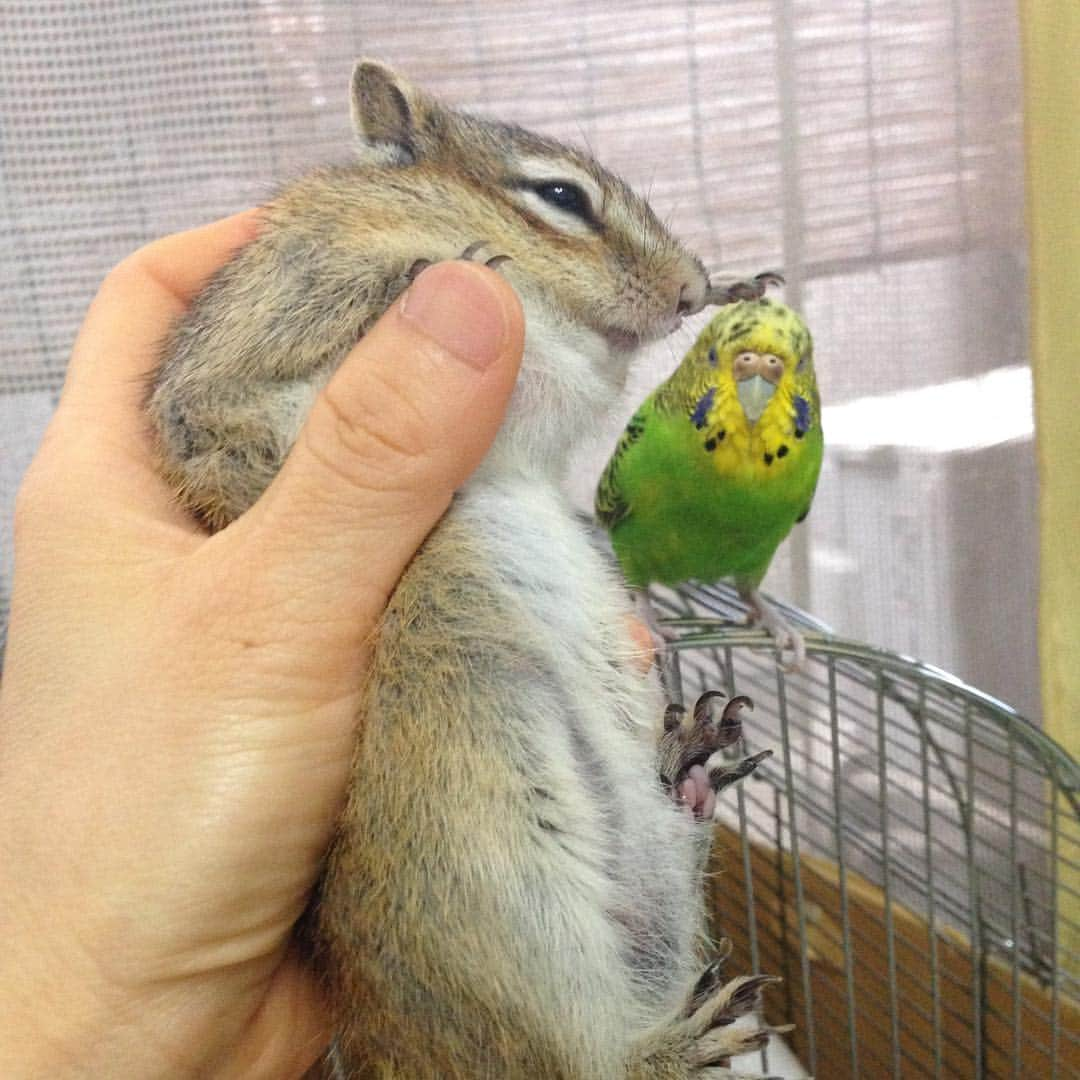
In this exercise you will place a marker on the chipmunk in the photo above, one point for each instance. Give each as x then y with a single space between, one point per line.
537 911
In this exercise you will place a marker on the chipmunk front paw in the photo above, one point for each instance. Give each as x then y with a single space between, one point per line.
742 289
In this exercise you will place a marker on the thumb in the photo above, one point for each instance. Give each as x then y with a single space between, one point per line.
398 428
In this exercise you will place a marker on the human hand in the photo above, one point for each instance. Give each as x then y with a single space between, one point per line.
178 709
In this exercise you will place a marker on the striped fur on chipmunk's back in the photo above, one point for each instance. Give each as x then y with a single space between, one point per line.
512 891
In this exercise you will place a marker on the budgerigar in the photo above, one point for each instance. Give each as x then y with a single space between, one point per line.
720 461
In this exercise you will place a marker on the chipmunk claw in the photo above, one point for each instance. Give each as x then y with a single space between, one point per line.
715 1041
470 253
416 269
703 1037
710 978
688 746
722 775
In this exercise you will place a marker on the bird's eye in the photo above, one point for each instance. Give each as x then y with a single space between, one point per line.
565 196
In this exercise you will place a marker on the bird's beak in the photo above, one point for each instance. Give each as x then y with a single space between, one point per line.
754 394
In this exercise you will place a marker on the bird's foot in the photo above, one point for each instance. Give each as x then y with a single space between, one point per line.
785 636
690 764
660 638
741 289
646 612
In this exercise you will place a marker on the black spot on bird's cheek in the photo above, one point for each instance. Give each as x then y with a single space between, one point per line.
700 416
802 416
782 450
768 459
710 445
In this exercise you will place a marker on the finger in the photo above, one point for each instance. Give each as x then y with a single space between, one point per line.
290 1031
399 427
643 654
117 347
99 440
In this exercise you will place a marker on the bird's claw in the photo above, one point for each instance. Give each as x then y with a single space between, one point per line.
787 638
798 648
784 635
742 289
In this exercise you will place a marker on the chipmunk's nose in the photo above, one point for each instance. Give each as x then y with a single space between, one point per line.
692 292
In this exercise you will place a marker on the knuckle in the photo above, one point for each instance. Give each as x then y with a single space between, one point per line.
125 276
376 438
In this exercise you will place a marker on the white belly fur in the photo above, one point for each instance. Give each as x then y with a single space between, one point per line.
577 609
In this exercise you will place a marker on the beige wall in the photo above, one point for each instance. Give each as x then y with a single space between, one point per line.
1052 91
1052 104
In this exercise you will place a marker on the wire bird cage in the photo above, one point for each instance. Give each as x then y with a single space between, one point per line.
908 859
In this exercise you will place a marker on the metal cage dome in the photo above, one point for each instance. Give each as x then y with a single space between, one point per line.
908 859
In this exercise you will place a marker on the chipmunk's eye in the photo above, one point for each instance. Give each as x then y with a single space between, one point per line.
568 203
564 195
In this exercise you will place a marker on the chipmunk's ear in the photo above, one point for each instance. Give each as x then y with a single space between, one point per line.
385 114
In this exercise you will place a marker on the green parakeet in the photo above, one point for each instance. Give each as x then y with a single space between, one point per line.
721 460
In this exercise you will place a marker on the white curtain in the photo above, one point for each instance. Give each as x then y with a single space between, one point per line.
869 148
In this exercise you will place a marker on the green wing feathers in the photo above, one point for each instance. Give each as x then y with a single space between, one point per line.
611 503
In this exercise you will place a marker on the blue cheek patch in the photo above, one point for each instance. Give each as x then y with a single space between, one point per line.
701 410
802 416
